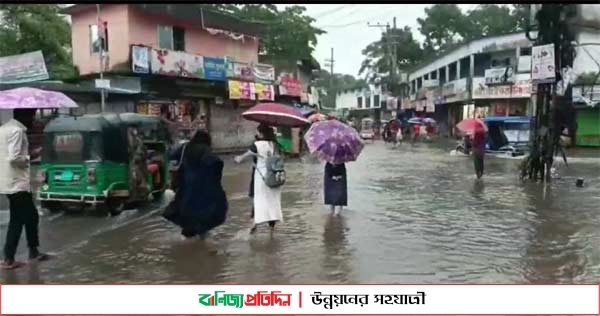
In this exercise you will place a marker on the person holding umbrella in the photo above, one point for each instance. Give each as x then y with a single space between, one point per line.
477 128
336 144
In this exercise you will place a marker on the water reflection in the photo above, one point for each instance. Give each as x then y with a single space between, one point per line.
336 255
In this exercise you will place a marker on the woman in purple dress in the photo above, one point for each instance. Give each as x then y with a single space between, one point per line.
335 187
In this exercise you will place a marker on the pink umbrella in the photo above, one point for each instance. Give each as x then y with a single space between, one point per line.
471 126
275 114
32 98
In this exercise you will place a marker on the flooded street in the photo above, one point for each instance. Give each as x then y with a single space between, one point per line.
416 215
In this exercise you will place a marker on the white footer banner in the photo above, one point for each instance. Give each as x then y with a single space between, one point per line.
299 299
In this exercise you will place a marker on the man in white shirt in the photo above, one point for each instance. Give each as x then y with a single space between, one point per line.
15 184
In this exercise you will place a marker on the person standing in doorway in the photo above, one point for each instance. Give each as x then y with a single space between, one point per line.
479 152
335 187
15 183
267 200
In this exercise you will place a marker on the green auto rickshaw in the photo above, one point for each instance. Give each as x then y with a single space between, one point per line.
103 161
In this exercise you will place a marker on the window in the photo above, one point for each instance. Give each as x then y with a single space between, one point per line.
433 75
442 75
452 71
368 101
359 102
525 51
465 67
178 39
171 37
96 42
376 100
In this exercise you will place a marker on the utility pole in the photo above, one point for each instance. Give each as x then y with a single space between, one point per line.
389 38
329 62
102 38
553 111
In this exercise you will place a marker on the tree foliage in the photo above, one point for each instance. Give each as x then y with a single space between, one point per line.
444 27
377 65
30 27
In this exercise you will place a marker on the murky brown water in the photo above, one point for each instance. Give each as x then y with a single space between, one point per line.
416 215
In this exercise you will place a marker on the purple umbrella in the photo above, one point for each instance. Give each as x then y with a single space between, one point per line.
32 98
334 141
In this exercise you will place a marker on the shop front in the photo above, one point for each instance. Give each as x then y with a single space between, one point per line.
512 99
454 96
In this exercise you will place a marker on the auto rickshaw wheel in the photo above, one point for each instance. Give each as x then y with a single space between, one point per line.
52 207
115 206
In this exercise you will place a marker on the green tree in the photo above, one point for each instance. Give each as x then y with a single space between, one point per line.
442 26
29 27
377 65
489 20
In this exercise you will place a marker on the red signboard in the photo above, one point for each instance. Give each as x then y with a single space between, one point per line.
290 86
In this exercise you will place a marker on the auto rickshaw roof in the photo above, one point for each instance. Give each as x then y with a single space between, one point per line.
134 118
85 123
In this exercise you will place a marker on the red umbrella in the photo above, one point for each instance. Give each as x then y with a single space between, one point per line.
275 114
471 126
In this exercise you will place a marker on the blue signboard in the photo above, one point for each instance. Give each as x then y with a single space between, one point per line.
214 69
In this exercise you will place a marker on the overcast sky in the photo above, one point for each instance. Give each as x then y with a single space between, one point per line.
348 33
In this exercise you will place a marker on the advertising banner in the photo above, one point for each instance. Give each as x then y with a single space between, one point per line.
520 89
240 71
264 73
543 69
240 90
265 92
176 64
214 69
23 68
140 59
290 86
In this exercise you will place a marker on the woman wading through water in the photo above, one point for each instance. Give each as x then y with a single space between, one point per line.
266 200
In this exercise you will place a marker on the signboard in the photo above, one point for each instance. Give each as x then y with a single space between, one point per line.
431 83
520 89
265 92
102 83
264 73
429 101
524 64
176 64
238 70
290 86
140 59
239 90
455 91
392 104
543 69
499 76
214 69
23 68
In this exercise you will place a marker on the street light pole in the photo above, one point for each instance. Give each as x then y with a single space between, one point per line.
101 57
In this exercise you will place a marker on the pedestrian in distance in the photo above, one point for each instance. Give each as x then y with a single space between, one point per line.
479 152
201 202
15 183
266 190
335 187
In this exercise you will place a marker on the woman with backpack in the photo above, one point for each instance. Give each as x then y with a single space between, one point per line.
267 179
200 202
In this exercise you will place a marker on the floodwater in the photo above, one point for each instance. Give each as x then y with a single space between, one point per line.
416 215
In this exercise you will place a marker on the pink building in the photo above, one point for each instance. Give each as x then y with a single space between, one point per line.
179 27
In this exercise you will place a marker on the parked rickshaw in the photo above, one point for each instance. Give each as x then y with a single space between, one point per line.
103 161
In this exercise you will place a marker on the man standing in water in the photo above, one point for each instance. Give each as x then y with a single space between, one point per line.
15 183
479 152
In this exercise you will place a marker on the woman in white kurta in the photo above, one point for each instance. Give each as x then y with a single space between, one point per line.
267 201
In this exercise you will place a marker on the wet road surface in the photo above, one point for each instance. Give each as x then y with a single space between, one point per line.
416 215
